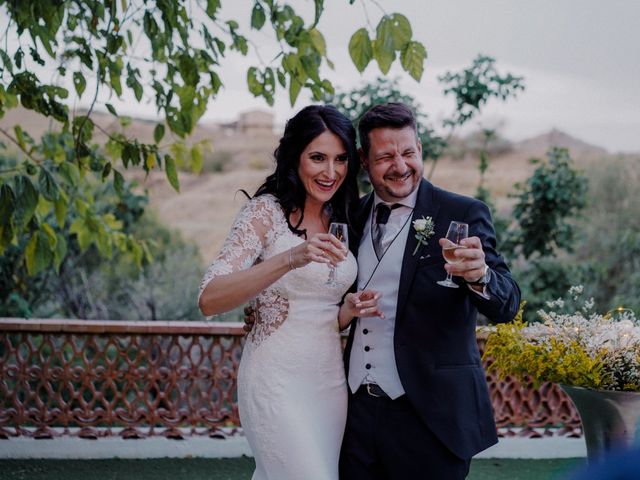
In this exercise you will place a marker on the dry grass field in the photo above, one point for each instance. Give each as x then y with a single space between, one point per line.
204 210
207 204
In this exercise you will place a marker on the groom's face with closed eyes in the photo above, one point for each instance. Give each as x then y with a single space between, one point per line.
394 162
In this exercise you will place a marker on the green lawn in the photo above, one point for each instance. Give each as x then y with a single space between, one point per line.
241 469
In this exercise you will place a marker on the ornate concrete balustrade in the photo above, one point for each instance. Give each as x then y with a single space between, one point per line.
137 379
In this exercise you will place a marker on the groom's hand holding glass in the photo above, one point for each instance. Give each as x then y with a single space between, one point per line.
471 265
359 304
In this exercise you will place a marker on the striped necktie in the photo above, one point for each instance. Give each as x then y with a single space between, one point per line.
383 212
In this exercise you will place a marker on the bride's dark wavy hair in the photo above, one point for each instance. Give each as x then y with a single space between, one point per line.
285 184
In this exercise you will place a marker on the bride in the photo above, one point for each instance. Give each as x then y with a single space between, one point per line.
292 393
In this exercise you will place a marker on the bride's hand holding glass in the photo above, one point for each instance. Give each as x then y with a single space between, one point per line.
321 248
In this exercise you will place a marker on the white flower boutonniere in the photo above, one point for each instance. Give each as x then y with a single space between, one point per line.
424 230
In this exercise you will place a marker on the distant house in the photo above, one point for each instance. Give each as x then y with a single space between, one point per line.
255 122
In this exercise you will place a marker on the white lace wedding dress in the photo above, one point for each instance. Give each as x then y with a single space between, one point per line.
292 392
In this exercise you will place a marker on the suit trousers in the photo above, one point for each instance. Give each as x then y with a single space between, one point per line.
386 440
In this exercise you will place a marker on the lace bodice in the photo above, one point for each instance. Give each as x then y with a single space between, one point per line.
260 231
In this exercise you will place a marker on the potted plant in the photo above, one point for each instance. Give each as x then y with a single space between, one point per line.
594 357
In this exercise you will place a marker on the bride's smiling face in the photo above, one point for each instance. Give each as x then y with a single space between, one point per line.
323 167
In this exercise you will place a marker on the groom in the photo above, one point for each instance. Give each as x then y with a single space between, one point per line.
419 406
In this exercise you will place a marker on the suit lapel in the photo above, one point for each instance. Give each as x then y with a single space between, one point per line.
426 206
363 213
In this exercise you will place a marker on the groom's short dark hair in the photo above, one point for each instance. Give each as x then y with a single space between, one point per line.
387 115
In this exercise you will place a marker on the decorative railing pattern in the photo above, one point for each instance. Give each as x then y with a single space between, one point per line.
142 378
137 379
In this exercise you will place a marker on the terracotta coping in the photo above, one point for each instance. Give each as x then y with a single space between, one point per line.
120 326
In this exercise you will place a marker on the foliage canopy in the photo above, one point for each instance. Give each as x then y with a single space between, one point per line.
168 52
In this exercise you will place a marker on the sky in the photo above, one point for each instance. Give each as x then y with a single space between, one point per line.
580 60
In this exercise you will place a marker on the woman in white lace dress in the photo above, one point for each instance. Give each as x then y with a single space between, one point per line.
292 392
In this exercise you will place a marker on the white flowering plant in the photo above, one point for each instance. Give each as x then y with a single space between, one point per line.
424 228
572 345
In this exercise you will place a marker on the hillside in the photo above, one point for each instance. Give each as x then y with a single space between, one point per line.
538 145
208 203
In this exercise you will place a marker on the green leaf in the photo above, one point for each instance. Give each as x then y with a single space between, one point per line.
150 161
106 170
20 137
400 30
196 158
38 253
212 7
282 78
17 58
258 16
255 85
82 233
384 33
6 236
118 182
51 234
412 59
360 49
158 133
112 110
136 251
327 86
60 208
172 174
310 68
319 4
104 245
60 252
70 172
48 186
294 90
79 82
383 55
83 125
188 69
6 60
7 203
133 83
318 42
26 200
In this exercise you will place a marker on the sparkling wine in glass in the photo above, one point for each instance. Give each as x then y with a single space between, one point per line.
340 231
457 232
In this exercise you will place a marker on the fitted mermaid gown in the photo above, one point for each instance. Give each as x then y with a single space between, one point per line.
292 393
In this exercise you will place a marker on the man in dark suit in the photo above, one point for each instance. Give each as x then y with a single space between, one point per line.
419 405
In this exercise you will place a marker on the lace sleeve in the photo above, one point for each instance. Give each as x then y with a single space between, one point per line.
249 235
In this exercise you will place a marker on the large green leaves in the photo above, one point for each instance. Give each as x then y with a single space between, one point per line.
38 253
179 73
360 49
258 16
26 200
172 173
412 59
393 35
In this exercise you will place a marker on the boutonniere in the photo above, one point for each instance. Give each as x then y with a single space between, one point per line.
424 230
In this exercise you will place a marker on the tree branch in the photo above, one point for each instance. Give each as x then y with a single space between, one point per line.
26 152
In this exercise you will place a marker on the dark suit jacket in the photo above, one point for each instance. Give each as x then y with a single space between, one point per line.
435 332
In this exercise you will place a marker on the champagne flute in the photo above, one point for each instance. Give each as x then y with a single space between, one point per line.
341 232
455 234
